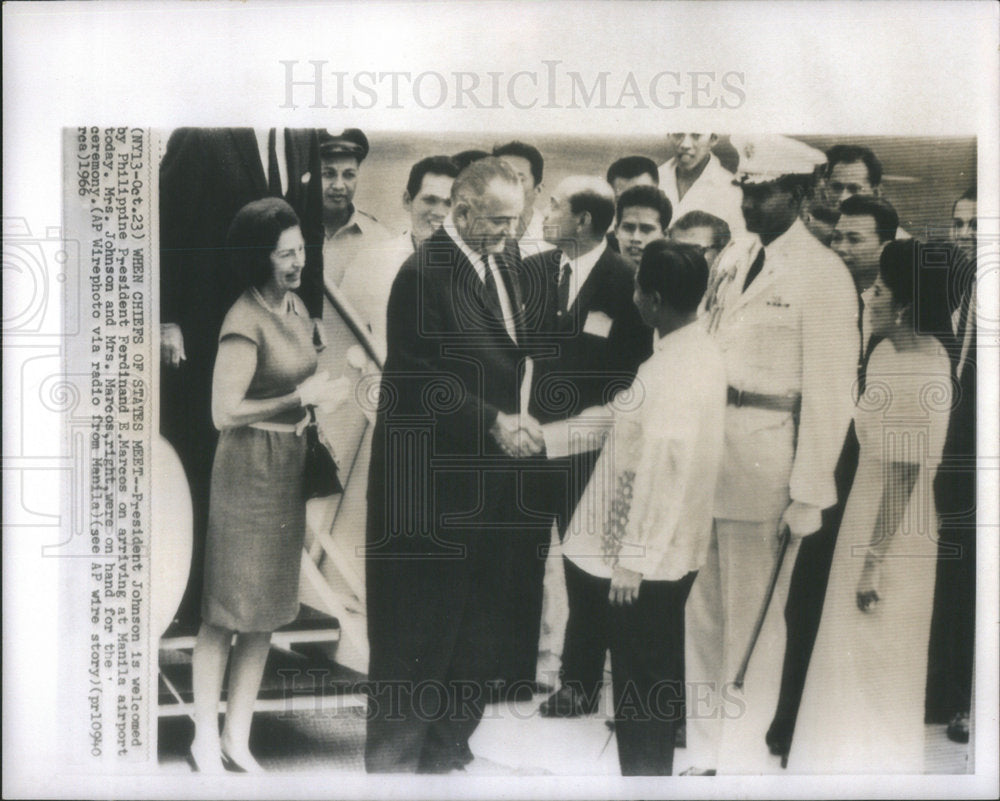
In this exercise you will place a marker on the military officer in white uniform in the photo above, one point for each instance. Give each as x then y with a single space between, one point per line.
783 310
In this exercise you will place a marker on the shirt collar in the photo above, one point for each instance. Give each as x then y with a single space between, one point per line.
583 265
476 258
795 234
678 339
357 221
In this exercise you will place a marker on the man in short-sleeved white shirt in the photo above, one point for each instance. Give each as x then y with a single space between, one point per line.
695 180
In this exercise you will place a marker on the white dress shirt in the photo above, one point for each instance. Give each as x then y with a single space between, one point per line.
479 263
580 269
713 192
279 149
648 505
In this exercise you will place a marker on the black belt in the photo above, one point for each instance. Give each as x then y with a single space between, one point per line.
776 403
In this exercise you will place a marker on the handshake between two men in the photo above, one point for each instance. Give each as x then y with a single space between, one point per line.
518 435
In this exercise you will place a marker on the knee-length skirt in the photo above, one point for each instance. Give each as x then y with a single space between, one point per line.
256 527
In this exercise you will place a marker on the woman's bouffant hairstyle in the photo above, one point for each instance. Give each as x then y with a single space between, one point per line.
253 236
917 274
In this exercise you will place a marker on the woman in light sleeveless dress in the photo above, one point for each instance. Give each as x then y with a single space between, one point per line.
863 704
263 381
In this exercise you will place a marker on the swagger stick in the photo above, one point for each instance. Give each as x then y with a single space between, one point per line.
783 538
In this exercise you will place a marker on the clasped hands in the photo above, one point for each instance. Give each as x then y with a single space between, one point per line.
517 435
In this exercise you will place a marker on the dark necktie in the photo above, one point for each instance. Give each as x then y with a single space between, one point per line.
562 291
755 268
273 173
491 296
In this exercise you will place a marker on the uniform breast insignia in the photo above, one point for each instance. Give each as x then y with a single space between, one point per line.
778 302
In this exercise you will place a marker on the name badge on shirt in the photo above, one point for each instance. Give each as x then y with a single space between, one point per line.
597 324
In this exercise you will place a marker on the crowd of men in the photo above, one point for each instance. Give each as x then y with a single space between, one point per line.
497 321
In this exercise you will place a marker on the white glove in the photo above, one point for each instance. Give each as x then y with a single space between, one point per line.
171 344
322 391
802 519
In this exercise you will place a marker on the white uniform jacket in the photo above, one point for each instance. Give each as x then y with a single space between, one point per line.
793 332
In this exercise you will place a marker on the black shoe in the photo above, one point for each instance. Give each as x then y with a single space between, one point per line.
958 728
779 739
568 703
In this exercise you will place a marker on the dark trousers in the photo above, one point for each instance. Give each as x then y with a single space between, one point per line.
803 612
953 627
432 628
647 661
557 491
587 636
521 561
807 591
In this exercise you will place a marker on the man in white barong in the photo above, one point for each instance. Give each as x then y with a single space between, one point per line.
641 529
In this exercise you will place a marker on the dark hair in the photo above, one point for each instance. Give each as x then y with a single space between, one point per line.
917 274
600 207
432 165
650 197
524 151
632 167
467 157
253 235
886 219
969 194
850 154
678 272
471 182
822 213
702 219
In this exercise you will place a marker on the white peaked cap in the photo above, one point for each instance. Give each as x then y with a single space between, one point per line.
768 157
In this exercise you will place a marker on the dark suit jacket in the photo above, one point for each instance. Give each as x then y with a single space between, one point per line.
450 368
442 496
576 369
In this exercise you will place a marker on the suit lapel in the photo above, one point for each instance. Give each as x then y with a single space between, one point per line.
245 143
297 158
469 289
581 303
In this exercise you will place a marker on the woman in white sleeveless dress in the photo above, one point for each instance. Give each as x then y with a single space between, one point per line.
863 704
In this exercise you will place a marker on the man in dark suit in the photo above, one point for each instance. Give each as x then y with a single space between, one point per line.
443 496
206 176
592 343
949 674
